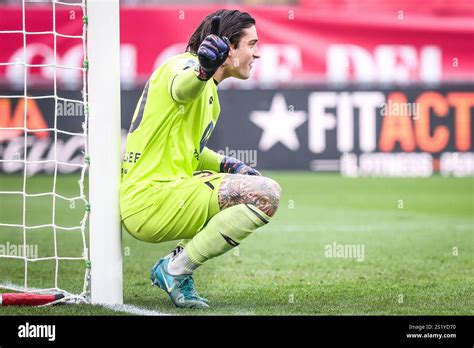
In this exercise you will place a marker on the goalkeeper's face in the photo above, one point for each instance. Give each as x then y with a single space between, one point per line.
241 59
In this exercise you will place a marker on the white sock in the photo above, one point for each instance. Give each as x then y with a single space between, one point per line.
181 264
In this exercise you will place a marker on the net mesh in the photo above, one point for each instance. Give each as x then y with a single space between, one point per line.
28 231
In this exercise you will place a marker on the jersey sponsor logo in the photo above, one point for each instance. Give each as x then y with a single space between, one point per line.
132 157
211 99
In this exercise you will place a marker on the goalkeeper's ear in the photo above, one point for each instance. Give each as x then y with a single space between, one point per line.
228 61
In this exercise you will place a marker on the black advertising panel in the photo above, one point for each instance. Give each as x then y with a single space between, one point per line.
409 131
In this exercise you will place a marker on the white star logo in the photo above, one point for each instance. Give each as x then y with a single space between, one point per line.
279 124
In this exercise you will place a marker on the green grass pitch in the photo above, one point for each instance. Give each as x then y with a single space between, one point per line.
417 235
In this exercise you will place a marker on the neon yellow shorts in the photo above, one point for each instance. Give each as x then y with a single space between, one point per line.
176 210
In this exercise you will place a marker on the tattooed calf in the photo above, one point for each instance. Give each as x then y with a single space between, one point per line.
262 192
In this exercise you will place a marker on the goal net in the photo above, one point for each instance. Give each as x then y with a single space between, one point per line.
60 152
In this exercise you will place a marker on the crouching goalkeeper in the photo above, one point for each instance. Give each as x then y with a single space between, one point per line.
174 187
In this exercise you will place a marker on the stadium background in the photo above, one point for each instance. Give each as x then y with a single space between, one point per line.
321 108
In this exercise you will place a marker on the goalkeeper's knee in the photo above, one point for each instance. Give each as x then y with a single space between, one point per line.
264 193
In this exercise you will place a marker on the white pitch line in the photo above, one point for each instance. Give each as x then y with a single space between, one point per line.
134 310
126 308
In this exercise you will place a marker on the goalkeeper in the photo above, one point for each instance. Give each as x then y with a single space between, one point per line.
174 187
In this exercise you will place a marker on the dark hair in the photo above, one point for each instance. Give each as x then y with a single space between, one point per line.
233 22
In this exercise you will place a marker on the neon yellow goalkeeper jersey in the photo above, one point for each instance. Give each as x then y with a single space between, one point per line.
166 137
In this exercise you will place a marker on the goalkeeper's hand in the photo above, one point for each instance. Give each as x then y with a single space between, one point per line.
232 165
212 52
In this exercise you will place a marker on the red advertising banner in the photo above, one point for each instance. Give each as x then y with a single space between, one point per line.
297 44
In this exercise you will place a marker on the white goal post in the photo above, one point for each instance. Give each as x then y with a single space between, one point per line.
103 44
100 141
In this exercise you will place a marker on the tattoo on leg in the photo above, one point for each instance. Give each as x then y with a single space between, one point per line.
262 192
